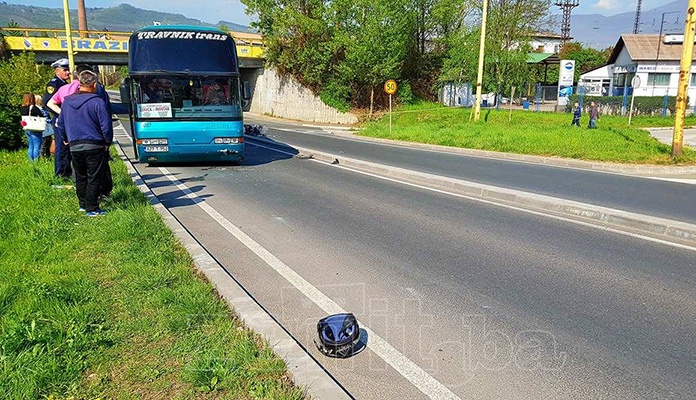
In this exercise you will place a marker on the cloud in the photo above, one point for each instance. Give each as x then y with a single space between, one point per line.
607 5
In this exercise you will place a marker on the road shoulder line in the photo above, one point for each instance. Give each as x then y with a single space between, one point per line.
304 370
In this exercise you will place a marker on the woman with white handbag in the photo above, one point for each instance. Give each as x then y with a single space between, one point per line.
45 149
33 123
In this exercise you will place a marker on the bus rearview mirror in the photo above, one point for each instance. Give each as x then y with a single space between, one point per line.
246 90
124 91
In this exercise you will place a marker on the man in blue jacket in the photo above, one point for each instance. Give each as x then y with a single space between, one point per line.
85 120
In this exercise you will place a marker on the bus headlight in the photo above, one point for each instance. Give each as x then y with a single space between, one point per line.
228 140
155 141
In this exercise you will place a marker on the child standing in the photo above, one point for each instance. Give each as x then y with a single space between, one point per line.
594 115
577 113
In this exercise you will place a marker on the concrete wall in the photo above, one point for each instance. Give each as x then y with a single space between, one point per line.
284 97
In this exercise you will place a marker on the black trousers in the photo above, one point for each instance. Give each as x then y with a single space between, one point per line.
45 150
107 183
89 172
62 157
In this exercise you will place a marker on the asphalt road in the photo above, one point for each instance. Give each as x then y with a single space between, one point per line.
657 198
493 303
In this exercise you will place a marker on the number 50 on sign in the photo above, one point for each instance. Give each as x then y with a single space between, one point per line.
390 86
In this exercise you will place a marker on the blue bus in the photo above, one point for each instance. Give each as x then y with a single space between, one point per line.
185 95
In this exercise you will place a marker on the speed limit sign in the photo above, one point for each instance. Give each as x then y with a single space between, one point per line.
390 86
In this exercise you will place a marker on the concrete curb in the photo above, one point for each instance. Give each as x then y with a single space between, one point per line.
659 228
304 370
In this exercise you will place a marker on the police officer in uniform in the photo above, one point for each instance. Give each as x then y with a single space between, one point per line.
62 154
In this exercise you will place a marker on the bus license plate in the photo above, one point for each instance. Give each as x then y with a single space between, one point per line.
156 149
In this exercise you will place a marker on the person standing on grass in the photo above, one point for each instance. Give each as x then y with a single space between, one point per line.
86 122
47 134
33 138
62 74
55 105
594 115
577 113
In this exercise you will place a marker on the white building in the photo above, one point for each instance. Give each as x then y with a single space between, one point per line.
546 42
654 60
598 82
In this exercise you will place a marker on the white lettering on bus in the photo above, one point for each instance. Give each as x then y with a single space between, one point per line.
181 35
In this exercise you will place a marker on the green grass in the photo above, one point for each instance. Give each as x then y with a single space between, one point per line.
111 307
544 134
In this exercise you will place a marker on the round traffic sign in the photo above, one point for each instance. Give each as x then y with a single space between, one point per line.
390 86
635 82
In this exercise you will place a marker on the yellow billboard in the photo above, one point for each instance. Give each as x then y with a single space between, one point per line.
58 44
18 43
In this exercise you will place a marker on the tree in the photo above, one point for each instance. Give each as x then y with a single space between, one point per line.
340 49
297 37
18 75
511 23
14 32
373 42
430 25
586 59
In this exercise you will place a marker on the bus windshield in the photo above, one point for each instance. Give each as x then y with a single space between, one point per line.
167 97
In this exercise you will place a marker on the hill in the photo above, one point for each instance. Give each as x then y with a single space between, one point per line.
599 31
123 17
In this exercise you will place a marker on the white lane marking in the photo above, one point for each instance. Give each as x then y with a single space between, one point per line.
407 368
677 180
556 217
120 130
296 130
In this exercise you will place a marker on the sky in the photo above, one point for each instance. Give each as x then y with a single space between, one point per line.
611 7
212 11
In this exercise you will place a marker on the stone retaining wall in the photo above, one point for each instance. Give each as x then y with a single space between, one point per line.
283 96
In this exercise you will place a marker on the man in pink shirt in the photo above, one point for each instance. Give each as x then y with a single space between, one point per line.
72 88
65 90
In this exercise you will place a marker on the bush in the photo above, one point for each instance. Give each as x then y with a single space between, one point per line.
336 95
405 93
11 134
18 75
611 105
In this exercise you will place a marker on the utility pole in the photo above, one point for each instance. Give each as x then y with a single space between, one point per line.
68 34
636 23
567 6
479 79
684 78
81 18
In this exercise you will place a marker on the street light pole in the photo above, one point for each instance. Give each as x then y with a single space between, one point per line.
479 79
68 34
684 77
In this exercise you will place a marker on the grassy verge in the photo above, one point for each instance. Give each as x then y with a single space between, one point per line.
545 134
110 306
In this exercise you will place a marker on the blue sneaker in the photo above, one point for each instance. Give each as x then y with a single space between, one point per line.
96 213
